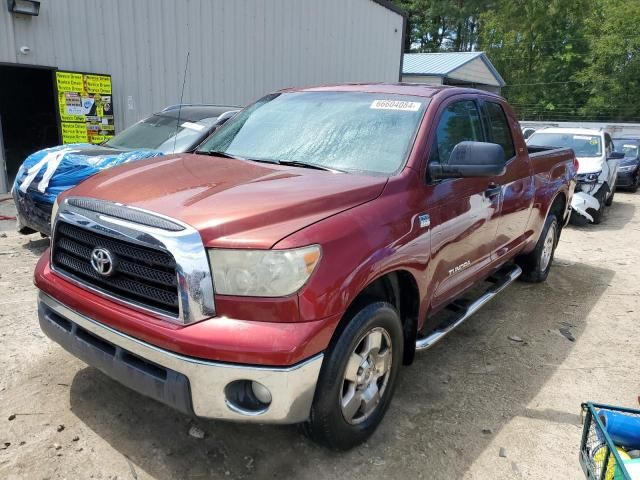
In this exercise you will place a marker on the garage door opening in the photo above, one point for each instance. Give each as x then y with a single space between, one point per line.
27 115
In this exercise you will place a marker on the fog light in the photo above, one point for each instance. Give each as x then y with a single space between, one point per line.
261 392
247 397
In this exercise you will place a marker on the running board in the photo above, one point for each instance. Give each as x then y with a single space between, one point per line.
499 284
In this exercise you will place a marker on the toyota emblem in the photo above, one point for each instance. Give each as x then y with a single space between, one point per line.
102 261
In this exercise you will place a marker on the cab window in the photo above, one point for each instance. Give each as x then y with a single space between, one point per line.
499 130
459 122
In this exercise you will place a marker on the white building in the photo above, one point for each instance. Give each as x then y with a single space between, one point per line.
238 50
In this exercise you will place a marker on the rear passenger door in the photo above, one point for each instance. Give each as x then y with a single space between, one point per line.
517 183
465 211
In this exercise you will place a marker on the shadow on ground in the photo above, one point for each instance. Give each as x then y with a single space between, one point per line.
37 244
476 379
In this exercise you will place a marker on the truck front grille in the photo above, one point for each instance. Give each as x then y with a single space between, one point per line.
141 275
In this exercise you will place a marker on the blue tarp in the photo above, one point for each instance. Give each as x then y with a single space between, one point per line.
80 161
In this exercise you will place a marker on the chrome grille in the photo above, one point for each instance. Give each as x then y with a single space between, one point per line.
143 275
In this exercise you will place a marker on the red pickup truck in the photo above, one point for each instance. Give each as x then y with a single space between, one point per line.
285 271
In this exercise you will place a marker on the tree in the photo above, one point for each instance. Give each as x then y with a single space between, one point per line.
612 71
538 46
562 60
441 25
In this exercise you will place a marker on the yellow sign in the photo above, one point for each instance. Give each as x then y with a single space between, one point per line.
73 132
85 107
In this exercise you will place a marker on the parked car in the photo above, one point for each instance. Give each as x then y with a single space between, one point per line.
527 132
597 171
46 173
285 271
629 168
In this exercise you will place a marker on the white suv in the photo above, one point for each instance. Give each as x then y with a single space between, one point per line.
597 171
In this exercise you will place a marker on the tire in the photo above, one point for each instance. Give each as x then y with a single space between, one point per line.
636 182
578 220
609 201
537 264
329 424
601 196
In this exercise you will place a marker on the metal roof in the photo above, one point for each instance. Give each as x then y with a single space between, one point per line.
442 64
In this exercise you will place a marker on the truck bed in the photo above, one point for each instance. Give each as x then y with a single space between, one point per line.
547 159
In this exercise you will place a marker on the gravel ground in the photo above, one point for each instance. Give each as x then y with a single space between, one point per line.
456 407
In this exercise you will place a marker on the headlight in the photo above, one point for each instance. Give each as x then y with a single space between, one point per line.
262 273
589 177
54 213
626 168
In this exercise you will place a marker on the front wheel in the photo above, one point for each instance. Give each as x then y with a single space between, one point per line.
357 379
609 201
537 264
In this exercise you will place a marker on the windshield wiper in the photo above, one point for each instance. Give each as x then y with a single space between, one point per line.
315 166
218 153
288 163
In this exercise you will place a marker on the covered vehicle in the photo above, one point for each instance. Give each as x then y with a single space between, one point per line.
47 173
629 168
597 170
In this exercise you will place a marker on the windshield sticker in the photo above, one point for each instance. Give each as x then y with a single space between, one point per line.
193 126
630 146
582 137
396 105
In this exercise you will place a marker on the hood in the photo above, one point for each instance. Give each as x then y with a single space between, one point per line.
232 203
590 164
47 173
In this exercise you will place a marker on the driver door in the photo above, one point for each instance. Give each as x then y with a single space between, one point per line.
465 212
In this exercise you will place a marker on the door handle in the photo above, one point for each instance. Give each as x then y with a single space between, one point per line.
492 190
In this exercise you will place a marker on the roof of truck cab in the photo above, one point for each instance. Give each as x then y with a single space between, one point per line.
398 88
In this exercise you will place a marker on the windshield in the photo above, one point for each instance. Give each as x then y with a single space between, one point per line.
583 145
159 133
348 131
629 149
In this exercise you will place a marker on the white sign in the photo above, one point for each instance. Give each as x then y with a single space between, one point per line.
396 105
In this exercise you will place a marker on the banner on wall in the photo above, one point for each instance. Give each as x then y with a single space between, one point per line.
85 107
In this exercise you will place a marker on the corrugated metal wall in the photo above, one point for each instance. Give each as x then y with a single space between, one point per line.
239 49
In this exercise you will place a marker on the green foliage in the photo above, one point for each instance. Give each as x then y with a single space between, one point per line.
442 25
561 59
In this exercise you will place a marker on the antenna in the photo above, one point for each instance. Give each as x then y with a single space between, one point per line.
184 79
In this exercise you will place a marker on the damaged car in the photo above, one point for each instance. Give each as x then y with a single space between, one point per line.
597 171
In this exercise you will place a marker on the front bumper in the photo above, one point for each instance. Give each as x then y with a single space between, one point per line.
191 385
626 179
32 213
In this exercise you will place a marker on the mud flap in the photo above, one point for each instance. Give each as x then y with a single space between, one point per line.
581 202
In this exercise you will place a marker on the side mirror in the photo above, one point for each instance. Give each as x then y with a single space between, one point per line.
471 159
615 156
222 119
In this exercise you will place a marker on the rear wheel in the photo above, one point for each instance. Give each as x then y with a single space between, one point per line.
357 379
537 264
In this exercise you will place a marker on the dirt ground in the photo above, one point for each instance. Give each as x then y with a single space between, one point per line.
455 408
